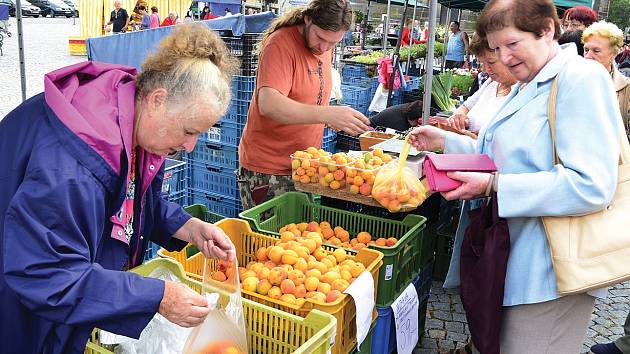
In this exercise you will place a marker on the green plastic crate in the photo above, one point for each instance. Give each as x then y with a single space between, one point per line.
200 211
400 263
269 330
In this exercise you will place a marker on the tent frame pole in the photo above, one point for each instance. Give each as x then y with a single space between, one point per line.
396 57
18 16
428 82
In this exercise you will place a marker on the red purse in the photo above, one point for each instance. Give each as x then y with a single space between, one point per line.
436 166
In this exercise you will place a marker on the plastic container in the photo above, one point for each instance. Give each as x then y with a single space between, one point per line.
174 183
269 330
215 155
216 180
367 139
247 242
224 133
384 337
304 169
216 203
400 262
347 142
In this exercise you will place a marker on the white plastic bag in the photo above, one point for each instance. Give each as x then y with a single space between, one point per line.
223 331
379 102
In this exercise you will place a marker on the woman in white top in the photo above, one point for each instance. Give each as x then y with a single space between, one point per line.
484 104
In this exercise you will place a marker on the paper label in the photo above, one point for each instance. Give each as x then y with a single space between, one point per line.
362 291
389 271
405 309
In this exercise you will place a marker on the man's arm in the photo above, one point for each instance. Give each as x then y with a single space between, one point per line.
127 21
466 45
276 106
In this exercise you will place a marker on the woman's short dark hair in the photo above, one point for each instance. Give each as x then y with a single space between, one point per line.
142 8
526 15
154 9
573 37
479 45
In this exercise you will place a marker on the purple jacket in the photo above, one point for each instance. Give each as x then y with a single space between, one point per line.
65 160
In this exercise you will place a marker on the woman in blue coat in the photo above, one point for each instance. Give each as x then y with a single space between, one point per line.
80 196
529 185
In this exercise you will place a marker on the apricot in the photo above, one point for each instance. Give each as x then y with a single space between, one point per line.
305 179
277 275
344 236
248 274
316 296
334 241
219 276
332 259
339 175
250 284
311 283
319 254
315 237
287 236
312 226
358 180
261 254
356 269
340 284
322 171
310 244
241 271
364 237
333 295
302 226
330 277
346 275
321 267
300 291
270 264
289 257
274 293
288 298
296 276
324 288
303 252
391 241
327 262
381 241
287 286
340 255
263 287
335 185
315 273
359 246
275 254
301 265
366 189
354 189
324 225
263 273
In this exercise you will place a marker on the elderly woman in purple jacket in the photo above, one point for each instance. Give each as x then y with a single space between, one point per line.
80 196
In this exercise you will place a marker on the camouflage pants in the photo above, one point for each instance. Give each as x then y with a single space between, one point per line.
256 188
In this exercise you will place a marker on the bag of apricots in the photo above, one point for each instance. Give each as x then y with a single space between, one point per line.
396 187
223 330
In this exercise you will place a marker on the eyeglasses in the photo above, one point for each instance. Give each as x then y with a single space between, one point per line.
572 24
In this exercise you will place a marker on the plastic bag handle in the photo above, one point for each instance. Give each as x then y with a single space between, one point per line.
402 159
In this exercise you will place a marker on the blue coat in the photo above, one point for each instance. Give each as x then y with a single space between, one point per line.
60 267
518 139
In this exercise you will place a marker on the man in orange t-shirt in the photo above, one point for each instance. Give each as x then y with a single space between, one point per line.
290 106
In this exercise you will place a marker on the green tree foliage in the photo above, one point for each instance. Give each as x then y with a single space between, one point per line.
620 13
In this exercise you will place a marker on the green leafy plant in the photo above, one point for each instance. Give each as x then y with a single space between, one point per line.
463 83
441 91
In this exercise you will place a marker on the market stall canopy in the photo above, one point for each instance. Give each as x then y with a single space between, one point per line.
419 3
477 5
218 6
132 48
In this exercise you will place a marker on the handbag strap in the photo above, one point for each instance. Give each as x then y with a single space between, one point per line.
624 157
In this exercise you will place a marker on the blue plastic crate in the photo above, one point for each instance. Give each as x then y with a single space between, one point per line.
355 96
174 178
384 337
216 203
354 70
329 140
151 251
243 86
224 133
212 179
413 83
214 154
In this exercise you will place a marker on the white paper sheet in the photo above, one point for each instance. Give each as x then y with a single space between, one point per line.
405 309
362 291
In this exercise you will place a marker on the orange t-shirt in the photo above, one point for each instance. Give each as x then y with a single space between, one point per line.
289 67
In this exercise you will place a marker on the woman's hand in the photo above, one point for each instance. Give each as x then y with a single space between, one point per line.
474 185
208 238
182 306
458 121
427 138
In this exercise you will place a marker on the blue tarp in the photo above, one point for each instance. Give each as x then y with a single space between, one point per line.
4 12
132 48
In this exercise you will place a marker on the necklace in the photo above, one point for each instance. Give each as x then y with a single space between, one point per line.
503 91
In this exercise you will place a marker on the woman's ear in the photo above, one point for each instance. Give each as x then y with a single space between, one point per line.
156 100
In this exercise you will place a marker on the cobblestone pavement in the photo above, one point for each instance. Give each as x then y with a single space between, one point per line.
446 322
45 49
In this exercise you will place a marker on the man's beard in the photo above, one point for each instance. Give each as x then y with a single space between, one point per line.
307 44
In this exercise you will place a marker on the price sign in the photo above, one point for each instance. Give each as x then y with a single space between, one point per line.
405 309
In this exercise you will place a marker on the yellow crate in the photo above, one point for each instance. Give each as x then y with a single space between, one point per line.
247 242
269 330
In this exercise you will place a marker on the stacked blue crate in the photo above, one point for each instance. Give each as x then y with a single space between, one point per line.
329 140
212 164
356 97
174 183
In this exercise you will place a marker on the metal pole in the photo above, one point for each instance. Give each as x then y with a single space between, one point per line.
386 25
426 103
365 25
396 57
413 21
18 16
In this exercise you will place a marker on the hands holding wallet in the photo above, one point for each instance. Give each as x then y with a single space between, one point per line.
457 176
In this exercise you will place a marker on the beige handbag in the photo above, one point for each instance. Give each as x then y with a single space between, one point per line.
591 251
